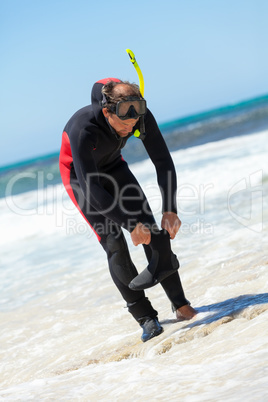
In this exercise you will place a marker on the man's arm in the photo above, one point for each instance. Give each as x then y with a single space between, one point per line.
166 174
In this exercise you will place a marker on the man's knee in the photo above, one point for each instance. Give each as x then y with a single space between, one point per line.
120 263
116 242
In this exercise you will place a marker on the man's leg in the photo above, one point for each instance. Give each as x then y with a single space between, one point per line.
136 203
173 288
171 285
123 271
120 264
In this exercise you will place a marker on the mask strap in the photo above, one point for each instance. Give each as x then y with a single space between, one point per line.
141 132
103 101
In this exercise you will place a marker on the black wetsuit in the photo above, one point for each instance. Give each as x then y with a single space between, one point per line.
109 197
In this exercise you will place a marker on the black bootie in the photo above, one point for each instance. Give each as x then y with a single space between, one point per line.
163 263
151 328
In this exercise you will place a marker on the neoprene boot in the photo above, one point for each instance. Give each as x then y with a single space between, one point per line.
163 263
151 328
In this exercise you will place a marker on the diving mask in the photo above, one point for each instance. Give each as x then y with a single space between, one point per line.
130 108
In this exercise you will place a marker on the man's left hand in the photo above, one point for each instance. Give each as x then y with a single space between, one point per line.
171 223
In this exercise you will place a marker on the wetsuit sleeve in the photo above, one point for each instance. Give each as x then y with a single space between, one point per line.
159 154
88 178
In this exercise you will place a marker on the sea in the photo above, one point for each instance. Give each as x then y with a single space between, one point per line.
65 333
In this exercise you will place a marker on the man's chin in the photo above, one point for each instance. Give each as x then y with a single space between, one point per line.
123 134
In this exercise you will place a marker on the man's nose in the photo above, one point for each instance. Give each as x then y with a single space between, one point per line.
132 123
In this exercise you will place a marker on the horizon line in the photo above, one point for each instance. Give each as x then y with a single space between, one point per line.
163 126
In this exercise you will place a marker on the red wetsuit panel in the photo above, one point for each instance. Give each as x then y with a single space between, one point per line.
65 170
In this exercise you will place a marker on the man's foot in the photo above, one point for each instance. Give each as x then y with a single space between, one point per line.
151 328
185 313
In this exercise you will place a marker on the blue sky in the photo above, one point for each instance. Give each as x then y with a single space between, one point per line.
194 55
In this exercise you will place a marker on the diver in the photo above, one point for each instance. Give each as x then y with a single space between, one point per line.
109 197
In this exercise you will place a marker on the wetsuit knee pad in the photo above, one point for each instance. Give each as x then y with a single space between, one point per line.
163 263
119 259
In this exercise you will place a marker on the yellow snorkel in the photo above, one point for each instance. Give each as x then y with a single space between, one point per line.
135 64
138 133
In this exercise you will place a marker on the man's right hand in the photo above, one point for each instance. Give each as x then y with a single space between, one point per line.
140 235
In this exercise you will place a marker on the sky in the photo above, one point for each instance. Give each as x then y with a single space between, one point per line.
195 55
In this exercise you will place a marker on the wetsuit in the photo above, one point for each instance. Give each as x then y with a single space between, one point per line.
109 197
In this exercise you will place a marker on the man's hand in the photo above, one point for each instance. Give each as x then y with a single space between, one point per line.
171 223
140 235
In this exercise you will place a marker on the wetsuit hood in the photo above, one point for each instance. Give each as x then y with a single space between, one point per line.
96 98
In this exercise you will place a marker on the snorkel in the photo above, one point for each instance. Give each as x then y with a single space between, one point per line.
138 133
135 64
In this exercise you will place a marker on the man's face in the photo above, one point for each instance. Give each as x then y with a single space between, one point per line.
122 127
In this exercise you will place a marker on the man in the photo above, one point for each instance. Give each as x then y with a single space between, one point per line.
109 197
